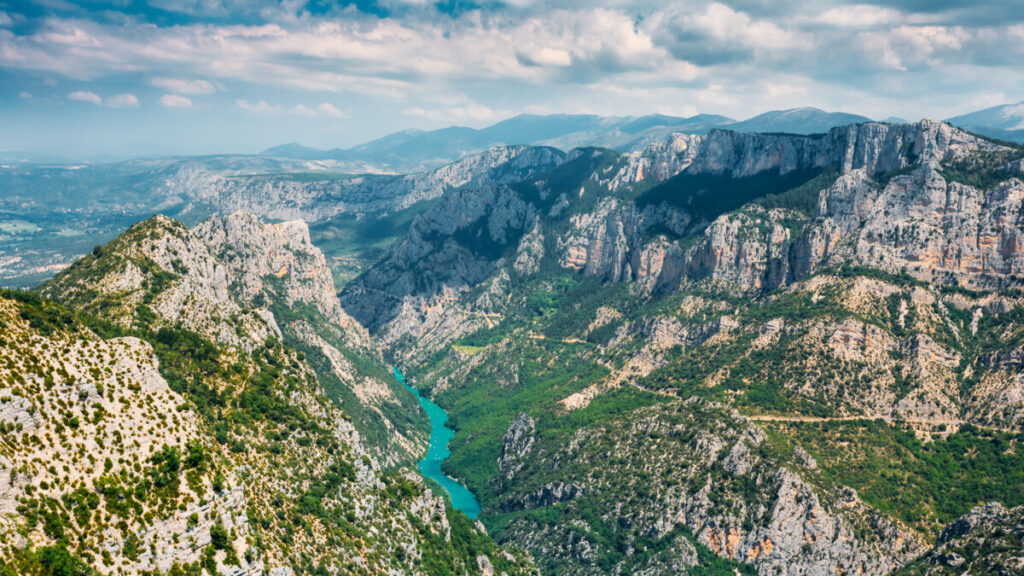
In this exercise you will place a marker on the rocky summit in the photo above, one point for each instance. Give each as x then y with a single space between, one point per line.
715 352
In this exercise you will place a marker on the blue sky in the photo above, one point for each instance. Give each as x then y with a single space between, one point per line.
207 76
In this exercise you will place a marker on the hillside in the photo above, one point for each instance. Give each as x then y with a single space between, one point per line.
149 448
238 282
784 351
720 353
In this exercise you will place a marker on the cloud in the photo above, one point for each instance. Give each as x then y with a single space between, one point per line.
175 101
5 19
260 107
462 110
719 34
860 16
182 86
25 95
123 101
328 109
417 59
85 97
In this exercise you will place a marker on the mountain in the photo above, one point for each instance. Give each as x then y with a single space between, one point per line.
717 353
740 352
418 150
797 121
241 283
413 150
1005 122
330 189
985 541
194 401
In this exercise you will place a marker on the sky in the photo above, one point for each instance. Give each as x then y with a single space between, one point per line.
143 77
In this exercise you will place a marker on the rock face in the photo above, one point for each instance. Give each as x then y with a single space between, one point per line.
240 283
918 222
874 148
988 540
786 524
227 267
449 249
934 229
516 445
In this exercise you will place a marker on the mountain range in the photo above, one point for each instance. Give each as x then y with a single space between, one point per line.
719 352
418 150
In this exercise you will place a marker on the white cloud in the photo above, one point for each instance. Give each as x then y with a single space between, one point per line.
5 19
81 96
329 109
25 95
123 101
175 101
182 86
860 16
260 107
467 111
617 56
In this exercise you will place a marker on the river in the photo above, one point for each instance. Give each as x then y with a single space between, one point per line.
430 465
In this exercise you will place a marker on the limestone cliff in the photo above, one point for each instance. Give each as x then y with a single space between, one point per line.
241 283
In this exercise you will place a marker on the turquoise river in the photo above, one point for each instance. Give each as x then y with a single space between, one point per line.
430 466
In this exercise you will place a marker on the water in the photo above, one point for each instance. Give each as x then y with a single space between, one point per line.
430 466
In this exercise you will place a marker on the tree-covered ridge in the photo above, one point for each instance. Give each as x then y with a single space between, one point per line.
235 458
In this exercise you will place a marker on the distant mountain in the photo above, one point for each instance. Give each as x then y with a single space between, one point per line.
298 151
412 150
797 121
1005 122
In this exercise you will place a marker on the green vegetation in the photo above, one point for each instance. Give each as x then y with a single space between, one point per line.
926 485
982 170
803 198
46 561
352 243
707 196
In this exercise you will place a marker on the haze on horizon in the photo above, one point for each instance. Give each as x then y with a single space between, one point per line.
140 77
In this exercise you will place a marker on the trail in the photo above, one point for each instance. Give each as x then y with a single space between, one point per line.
949 422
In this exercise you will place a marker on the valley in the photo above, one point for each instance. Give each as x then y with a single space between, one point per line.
716 352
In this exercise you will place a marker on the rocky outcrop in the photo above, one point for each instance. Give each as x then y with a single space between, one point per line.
530 251
449 249
548 495
935 230
227 270
987 540
243 283
516 445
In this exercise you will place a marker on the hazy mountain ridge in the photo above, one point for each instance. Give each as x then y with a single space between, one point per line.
1005 122
406 150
